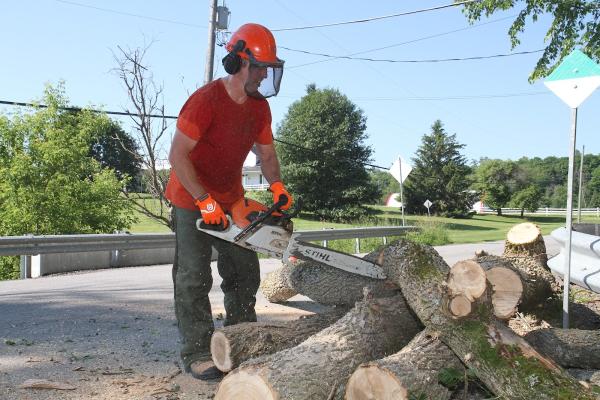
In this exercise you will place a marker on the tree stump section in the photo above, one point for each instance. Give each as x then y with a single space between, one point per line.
234 344
571 348
276 286
411 373
315 368
534 284
503 361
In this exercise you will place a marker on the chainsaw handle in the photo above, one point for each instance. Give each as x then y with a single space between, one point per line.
200 224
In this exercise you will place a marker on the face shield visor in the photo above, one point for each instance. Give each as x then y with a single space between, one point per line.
264 79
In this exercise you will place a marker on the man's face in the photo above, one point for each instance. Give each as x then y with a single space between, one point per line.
255 76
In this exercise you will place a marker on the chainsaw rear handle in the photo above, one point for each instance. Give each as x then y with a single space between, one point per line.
200 224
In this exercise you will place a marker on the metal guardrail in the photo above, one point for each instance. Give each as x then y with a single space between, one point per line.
33 245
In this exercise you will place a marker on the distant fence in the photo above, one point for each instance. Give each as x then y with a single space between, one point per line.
540 211
65 253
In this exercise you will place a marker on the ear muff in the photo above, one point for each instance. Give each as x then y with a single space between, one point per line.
232 62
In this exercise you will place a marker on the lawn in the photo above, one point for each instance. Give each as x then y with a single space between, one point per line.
478 228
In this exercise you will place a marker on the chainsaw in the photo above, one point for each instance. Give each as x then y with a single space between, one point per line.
270 231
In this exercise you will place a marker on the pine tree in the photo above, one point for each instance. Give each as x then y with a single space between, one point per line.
441 175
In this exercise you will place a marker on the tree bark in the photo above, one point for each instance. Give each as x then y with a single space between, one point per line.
234 344
525 241
276 286
503 361
413 372
317 367
573 348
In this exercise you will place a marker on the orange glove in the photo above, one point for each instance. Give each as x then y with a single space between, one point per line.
212 213
279 190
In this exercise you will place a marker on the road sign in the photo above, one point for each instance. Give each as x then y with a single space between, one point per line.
574 79
400 170
428 204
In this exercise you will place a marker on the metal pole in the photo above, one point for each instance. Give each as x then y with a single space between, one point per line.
567 271
210 51
580 186
401 195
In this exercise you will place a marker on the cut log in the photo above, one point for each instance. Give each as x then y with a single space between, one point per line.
315 368
587 375
535 282
276 286
525 241
573 348
503 361
234 344
412 373
466 284
507 288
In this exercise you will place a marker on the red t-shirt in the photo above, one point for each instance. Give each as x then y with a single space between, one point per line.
225 131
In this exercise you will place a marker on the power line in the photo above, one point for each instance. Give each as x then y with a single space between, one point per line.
408 42
124 113
358 21
435 60
129 14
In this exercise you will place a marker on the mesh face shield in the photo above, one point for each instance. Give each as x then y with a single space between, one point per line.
270 85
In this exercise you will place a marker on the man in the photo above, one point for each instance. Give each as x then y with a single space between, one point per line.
216 129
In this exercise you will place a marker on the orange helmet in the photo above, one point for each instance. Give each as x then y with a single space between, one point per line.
255 43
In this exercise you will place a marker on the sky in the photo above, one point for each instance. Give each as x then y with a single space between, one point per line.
489 104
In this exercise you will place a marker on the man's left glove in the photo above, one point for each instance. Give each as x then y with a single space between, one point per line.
279 190
211 211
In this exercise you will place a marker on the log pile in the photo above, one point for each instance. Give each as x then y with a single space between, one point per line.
420 334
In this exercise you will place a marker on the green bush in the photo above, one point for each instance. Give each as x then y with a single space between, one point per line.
9 268
430 233
262 196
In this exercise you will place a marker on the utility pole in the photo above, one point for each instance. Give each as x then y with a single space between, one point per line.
580 186
210 51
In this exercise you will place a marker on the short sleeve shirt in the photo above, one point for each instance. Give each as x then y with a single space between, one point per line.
225 132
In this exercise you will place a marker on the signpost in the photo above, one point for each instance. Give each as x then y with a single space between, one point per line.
428 204
400 170
572 81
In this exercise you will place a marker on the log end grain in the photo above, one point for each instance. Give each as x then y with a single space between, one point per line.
220 350
507 291
467 278
373 382
523 233
244 385
459 306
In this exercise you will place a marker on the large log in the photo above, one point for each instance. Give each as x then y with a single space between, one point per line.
276 286
467 283
525 241
503 361
412 373
574 348
234 344
315 368
535 282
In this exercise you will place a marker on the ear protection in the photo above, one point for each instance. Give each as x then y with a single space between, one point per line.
232 62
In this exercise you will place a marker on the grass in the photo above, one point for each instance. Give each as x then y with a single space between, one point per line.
478 228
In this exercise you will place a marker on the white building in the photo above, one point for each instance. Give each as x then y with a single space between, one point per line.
252 177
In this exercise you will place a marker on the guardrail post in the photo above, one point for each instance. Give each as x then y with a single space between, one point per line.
385 240
357 247
324 243
25 270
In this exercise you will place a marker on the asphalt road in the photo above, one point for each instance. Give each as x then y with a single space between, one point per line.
111 334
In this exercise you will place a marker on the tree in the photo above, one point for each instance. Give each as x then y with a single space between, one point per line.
49 184
527 199
150 126
385 183
325 160
495 182
576 23
440 174
114 148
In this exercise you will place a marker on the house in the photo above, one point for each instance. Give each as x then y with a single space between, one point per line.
252 177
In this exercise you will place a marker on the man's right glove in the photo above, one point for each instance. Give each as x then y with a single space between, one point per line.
279 190
211 211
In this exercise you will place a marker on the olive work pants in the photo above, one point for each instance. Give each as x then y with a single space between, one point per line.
192 281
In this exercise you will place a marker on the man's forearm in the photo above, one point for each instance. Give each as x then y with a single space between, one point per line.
270 169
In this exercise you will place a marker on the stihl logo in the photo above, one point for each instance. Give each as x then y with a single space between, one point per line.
316 255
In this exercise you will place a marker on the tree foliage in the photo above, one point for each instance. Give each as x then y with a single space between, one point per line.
495 182
116 149
330 176
440 174
576 23
385 183
48 182
528 199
